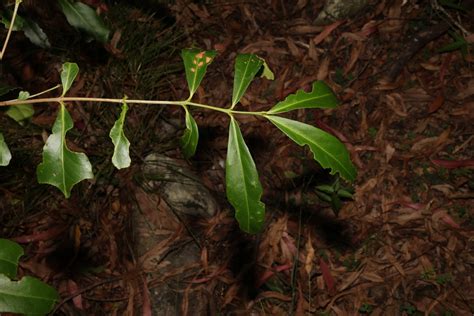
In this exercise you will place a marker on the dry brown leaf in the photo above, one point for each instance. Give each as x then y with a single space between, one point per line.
350 279
304 29
431 144
392 23
410 216
430 66
270 244
394 261
372 276
199 11
436 104
293 48
231 294
323 69
367 186
357 49
389 152
469 91
301 4
312 52
396 103
325 33
275 295
308 264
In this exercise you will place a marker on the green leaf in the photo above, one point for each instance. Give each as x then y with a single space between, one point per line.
190 138
28 296
242 183
84 18
344 194
246 67
323 196
5 154
68 75
7 20
458 43
321 96
325 188
4 89
10 253
20 112
31 29
121 158
267 72
336 203
327 149
61 167
23 95
36 34
195 65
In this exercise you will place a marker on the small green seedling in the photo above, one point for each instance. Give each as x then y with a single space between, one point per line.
366 309
334 194
458 43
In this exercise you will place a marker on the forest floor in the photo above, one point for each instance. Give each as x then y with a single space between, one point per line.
403 245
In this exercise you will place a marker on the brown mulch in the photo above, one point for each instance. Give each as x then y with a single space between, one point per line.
402 246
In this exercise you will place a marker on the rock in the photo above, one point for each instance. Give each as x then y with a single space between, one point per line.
177 185
165 252
339 9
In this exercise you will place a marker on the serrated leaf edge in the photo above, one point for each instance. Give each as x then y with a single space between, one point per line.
308 141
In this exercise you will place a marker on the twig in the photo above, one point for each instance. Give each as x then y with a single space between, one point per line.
10 28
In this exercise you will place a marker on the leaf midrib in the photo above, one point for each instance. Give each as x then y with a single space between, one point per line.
239 89
79 15
241 166
277 109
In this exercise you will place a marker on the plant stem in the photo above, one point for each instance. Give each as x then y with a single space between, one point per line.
43 92
87 99
10 28
129 101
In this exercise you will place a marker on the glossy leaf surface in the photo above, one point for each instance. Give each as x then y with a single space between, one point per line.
62 167
321 96
28 296
68 75
327 149
121 158
243 187
190 138
5 154
246 67
84 18
195 65
10 253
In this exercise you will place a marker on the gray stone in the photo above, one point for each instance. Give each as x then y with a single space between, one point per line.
177 185
339 9
167 255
